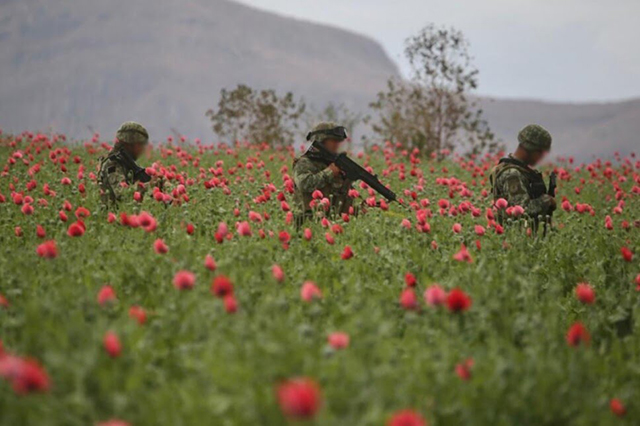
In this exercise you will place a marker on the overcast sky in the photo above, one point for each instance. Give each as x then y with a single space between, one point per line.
564 50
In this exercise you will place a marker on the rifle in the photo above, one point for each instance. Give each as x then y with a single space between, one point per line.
552 192
139 173
353 171
552 184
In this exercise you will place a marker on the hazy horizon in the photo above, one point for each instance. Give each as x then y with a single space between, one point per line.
571 51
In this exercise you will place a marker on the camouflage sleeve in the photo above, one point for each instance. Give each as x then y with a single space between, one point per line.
114 183
514 187
308 179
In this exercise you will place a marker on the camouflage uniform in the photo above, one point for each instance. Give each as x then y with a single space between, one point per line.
118 170
518 183
311 173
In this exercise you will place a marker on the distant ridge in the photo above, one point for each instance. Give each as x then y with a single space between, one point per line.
66 65
581 130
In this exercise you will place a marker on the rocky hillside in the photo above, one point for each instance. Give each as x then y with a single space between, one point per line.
72 66
581 130
67 64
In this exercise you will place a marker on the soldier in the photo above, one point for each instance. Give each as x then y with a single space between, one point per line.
119 169
313 173
515 179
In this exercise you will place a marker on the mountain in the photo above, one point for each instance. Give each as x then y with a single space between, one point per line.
580 130
68 64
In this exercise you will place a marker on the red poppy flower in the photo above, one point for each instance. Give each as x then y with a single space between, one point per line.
106 295
299 398
26 375
463 255
112 344
184 280
75 230
244 229
458 301
139 314
408 299
501 203
338 340
47 250
209 262
307 234
347 253
434 295
617 407
113 422
284 237
585 293
406 418
577 334
230 304
310 291
160 247
410 279
221 286
278 273
463 369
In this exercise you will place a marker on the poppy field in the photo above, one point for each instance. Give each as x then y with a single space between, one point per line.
201 302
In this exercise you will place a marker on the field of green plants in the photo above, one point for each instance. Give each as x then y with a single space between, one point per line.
201 303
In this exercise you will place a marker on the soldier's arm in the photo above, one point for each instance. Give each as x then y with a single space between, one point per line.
515 187
116 182
307 179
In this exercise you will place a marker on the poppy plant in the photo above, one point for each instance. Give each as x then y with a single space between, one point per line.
299 398
221 286
338 340
578 334
112 344
47 250
184 280
458 301
585 293
309 291
406 418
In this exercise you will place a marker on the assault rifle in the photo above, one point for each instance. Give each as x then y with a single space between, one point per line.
552 184
353 171
552 192
139 173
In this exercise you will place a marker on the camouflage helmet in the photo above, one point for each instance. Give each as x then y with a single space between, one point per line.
535 138
327 130
131 132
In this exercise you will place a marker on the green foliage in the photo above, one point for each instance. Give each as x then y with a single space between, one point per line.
192 363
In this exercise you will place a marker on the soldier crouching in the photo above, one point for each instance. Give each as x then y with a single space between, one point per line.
312 172
516 180
119 170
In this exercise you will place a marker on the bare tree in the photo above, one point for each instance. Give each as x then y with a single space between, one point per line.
257 116
434 110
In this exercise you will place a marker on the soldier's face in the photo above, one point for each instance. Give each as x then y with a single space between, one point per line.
137 150
332 145
536 157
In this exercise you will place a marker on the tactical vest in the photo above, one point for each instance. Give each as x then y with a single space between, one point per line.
536 187
337 191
